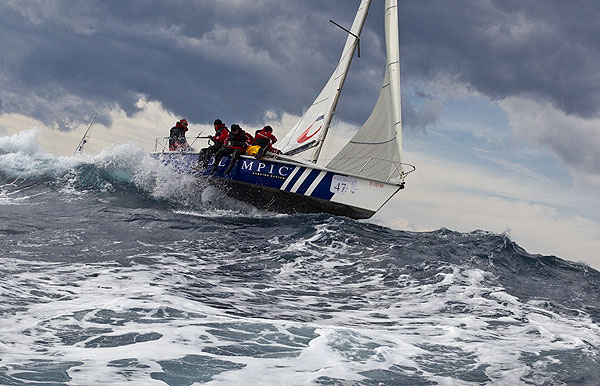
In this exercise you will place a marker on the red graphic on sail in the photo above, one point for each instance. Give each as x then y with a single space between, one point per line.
304 136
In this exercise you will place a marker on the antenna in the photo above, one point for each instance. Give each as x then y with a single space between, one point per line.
85 137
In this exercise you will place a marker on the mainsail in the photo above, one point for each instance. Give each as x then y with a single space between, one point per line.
375 151
311 129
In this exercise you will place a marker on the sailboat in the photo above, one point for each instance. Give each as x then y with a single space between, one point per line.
366 173
85 137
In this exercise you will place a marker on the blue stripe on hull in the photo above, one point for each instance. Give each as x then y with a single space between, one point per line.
267 173
294 177
309 180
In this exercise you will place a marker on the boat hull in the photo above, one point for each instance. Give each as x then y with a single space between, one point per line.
290 187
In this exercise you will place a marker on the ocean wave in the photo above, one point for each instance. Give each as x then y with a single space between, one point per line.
115 268
125 168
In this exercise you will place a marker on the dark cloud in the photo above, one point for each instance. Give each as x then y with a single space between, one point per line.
199 59
63 60
419 119
544 50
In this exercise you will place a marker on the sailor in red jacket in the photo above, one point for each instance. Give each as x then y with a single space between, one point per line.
265 139
221 135
236 145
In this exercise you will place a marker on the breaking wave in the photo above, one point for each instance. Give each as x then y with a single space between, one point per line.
125 169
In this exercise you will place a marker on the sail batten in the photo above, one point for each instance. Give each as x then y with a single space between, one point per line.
373 143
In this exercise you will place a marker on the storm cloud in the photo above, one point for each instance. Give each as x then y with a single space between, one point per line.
62 60
538 49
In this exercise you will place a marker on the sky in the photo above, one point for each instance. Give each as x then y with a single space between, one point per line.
500 99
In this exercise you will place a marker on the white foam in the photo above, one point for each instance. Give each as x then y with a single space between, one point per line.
420 326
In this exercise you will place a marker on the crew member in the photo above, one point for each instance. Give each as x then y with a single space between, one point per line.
177 138
235 145
221 134
264 139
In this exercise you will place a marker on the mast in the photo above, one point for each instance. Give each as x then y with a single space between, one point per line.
393 66
85 137
347 55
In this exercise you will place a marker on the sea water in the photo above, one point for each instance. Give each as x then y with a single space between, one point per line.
114 270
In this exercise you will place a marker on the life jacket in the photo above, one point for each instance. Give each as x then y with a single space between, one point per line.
177 137
249 138
252 150
238 141
264 138
221 134
178 131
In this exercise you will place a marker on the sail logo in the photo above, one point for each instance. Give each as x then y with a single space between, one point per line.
305 136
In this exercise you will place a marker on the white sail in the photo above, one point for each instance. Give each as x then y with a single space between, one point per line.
375 151
311 129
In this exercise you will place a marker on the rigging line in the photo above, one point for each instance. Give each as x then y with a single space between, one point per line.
198 136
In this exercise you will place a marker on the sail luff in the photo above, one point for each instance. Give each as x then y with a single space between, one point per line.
347 54
393 67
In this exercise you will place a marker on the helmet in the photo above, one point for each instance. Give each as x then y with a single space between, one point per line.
268 129
218 122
